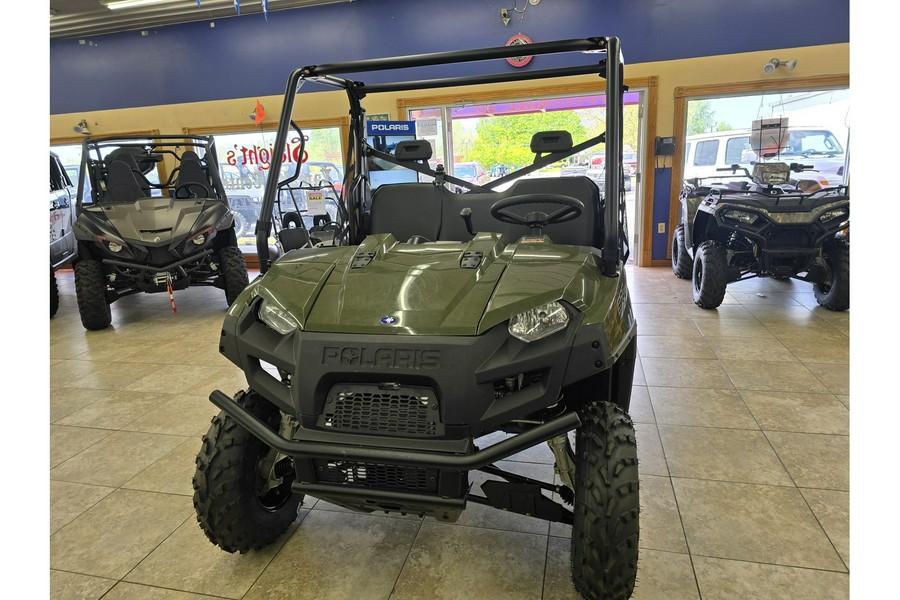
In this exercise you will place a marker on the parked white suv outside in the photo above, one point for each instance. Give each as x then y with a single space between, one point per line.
706 153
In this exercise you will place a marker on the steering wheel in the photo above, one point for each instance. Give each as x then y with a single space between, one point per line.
187 188
537 220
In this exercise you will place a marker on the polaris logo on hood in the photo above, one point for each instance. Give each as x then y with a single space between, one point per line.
381 358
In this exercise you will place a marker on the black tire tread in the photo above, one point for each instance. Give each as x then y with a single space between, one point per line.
837 297
224 496
709 292
90 291
234 272
54 294
682 263
607 505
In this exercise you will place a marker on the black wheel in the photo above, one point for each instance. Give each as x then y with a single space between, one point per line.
240 225
834 292
242 488
682 263
54 294
234 272
90 290
709 275
606 526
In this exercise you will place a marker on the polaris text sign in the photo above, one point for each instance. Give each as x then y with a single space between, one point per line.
391 358
391 128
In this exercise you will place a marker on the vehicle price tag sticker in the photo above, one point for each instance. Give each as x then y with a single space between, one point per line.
315 202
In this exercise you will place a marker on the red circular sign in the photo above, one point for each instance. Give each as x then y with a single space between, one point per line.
520 39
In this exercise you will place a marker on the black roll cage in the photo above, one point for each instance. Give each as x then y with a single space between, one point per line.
356 189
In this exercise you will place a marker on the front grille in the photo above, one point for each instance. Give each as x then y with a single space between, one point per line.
371 409
376 475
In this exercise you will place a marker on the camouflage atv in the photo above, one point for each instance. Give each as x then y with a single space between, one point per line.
742 225
436 334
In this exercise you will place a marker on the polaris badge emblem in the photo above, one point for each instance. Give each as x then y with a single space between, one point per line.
388 320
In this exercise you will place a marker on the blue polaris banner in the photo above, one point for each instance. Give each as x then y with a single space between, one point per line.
391 128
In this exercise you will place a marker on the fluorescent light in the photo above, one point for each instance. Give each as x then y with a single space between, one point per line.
119 4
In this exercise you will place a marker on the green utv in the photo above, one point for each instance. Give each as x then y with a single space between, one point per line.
382 349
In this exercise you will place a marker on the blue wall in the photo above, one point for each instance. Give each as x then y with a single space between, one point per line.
249 56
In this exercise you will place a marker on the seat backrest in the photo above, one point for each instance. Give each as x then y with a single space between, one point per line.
121 184
293 238
191 171
586 230
407 209
129 160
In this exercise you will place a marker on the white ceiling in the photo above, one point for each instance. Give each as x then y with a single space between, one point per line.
85 18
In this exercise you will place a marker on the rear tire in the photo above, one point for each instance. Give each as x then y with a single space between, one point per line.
681 260
232 510
240 225
54 294
834 293
606 526
709 275
90 290
234 272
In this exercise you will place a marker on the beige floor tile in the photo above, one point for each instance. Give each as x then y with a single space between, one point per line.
844 399
772 376
641 410
660 522
671 346
174 379
700 407
732 328
667 311
115 409
790 411
334 556
176 414
662 326
814 460
115 534
815 331
465 562
68 500
189 562
726 520
63 374
723 312
674 372
834 352
766 299
65 401
750 349
832 509
835 377
74 586
651 460
721 454
115 459
751 581
66 442
639 378
134 591
171 474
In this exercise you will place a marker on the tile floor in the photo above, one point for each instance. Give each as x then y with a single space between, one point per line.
742 421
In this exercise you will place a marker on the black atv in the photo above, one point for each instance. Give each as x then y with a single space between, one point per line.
379 361
135 235
766 223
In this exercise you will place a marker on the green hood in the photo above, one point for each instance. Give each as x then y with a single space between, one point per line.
384 287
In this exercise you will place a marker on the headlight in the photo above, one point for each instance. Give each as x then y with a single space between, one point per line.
114 247
539 322
740 215
277 319
199 239
836 213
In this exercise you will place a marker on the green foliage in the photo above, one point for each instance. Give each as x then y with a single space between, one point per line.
506 140
701 118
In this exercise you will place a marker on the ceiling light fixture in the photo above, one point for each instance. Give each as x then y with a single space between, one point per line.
773 64
120 4
82 127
